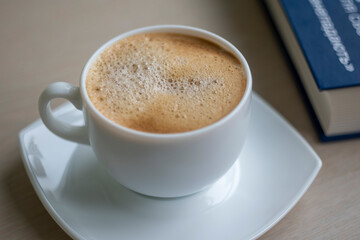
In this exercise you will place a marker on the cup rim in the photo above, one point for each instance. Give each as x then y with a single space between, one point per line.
182 29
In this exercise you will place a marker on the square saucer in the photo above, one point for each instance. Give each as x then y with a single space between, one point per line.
274 170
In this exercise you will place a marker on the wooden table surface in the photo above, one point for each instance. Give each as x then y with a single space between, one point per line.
47 41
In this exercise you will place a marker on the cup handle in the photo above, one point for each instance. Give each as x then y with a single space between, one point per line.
71 93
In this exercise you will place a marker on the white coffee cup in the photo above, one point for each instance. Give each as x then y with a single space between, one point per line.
161 165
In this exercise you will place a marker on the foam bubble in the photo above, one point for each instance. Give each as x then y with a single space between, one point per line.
165 83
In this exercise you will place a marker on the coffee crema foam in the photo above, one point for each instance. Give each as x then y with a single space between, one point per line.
165 83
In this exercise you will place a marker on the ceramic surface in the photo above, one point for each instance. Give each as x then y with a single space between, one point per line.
274 170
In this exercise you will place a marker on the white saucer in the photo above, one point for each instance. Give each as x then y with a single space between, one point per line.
275 169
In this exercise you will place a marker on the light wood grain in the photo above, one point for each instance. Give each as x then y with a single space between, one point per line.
46 41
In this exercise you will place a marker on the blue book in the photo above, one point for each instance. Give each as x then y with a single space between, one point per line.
323 40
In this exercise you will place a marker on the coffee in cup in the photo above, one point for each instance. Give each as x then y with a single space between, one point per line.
165 82
166 108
